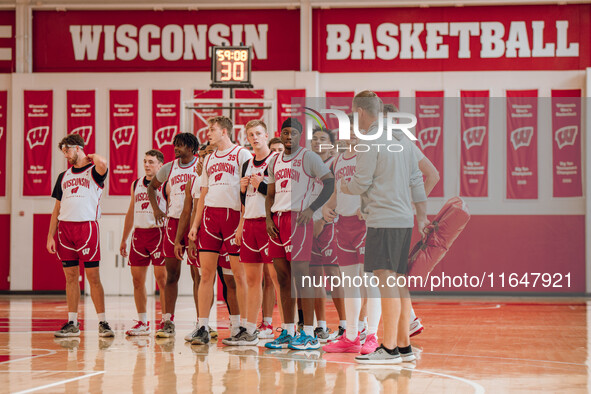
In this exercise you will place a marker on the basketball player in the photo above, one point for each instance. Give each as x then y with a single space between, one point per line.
251 234
217 218
275 145
146 241
288 193
176 174
387 181
77 192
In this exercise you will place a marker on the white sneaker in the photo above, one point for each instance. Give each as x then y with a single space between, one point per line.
189 336
140 328
415 328
266 331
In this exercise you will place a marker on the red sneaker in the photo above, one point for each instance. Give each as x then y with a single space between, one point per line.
343 345
140 328
370 345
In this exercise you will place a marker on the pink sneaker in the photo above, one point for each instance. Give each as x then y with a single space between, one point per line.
370 345
343 345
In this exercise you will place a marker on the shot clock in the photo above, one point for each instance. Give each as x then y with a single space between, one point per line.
230 66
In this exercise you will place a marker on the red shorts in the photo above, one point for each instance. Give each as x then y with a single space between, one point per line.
78 241
350 240
224 259
218 228
324 248
146 246
296 239
168 248
255 242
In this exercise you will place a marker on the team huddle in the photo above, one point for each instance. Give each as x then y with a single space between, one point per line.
283 216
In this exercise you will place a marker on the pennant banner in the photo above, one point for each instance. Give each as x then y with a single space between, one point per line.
522 144
123 116
3 138
474 107
429 131
166 120
37 142
342 101
200 116
81 117
566 143
242 116
290 104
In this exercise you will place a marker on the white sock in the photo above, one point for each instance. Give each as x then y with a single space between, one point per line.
268 320
343 323
309 330
234 324
101 317
203 322
353 307
290 328
412 314
374 314
166 316
143 317
250 327
73 317
322 324
243 322
360 325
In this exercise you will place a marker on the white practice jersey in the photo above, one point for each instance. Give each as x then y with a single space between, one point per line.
317 188
80 197
344 169
143 214
254 206
221 175
176 184
196 187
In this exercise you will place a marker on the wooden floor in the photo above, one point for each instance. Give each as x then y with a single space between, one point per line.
469 345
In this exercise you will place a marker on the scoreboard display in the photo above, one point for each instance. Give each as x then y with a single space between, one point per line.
231 66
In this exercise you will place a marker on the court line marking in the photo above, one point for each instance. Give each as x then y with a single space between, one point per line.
506 358
60 383
51 352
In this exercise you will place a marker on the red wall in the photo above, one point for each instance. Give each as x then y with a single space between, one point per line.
4 252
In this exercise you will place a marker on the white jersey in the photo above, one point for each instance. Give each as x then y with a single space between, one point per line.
176 184
221 175
143 214
196 187
344 169
254 206
293 186
80 197
317 188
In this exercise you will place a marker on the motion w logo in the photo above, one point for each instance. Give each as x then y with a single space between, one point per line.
429 137
165 135
123 136
83 131
521 137
566 136
1 132
37 136
474 136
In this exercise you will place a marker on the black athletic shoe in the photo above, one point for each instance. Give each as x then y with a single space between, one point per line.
201 337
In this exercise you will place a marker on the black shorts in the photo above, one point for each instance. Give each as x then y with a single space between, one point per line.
387 249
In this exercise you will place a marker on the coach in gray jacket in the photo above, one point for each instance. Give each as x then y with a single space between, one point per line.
386 182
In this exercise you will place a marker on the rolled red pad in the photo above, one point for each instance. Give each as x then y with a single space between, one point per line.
443 231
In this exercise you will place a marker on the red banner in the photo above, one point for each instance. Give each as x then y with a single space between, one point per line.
37 143
524 37
166 120
290 104
566 143
522 144
242 116
200 116
390 97
7 42
3 137
81 117
172 40
123 116
474 107
429 131
342 101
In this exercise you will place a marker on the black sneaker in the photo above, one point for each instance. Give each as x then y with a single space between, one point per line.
243 338
406 354
105 330
201 337
340 333
322 334
68 330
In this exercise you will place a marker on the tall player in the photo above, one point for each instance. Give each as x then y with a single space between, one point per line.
146 241
290 181
217 218
252 234
77 192
176 174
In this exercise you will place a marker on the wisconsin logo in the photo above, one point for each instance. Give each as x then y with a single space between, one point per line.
284 183
145 205
474 136
429 137
37 136
165 135
83 131
75 190
521 137
1 132
123 136
183 187
218 176
566 136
